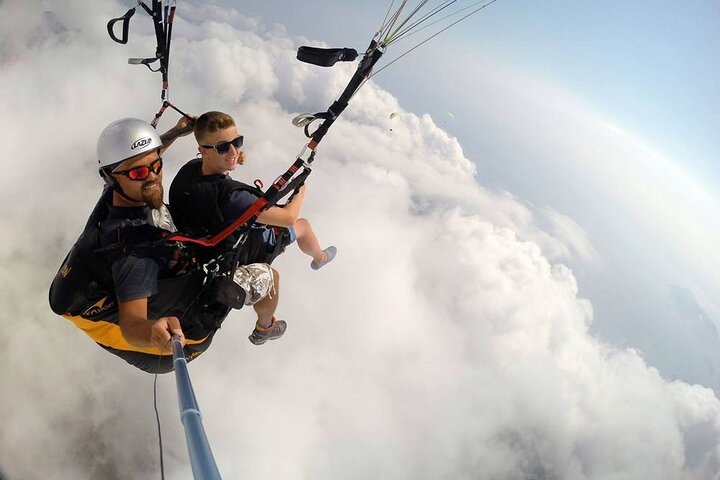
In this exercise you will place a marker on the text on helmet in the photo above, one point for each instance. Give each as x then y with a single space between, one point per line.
141 143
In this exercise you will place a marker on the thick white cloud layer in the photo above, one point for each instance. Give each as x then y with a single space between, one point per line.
446 341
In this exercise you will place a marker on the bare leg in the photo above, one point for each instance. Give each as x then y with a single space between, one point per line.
265 308
307 241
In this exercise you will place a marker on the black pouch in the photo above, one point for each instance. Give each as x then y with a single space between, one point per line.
282 240
222 289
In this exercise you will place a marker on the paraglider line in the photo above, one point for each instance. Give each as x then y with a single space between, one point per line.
408 33
401 33
431 37
387 14
157 419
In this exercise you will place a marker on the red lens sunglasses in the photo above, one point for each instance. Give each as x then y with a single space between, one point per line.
141 173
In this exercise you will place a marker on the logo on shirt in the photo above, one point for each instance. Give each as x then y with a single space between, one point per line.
65 271
193 355
100 307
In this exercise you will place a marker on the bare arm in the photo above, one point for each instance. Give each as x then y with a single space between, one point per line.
183 127
284 216
141 332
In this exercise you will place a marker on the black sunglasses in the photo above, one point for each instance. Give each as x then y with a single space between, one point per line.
141 173
224 147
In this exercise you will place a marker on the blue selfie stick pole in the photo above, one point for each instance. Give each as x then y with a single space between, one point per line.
201 457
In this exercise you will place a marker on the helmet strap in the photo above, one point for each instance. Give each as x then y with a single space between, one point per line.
115 185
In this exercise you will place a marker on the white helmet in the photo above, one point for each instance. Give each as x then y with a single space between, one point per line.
126 138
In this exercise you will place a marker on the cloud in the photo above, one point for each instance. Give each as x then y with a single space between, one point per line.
603 173
445 340
649 221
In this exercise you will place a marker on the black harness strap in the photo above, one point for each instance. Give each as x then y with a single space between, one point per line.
163 17
274 194
328 57
169 17
126 26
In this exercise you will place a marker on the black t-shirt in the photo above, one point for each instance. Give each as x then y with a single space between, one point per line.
139 264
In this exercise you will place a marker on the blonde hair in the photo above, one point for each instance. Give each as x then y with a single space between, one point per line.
210 122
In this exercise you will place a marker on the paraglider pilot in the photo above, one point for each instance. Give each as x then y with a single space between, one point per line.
126 288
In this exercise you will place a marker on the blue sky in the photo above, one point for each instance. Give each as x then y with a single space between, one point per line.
647 64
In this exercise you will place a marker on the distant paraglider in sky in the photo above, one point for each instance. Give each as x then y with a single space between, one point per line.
393 116
396 117
445 118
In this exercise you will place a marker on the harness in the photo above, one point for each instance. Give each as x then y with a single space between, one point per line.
195 207
83 292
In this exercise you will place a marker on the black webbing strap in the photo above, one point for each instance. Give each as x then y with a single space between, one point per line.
169 17
157 16
165 37
372 55
163 17
126 26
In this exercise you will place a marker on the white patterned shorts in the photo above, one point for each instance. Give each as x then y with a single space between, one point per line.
257 280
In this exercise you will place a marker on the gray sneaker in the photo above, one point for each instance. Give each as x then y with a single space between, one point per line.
330 253
262 335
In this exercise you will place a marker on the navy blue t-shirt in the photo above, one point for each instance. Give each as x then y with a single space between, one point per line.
235 205
137 268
